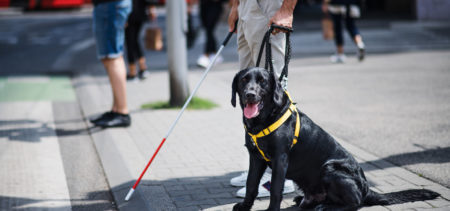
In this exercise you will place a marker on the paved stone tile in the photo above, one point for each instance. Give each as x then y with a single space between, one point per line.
221 190
195 187
376 173
393 188
434 209
174 188
211 196
182 204
438 203
223 207
179 193
411 205
232 200
190 208
182 201
374 208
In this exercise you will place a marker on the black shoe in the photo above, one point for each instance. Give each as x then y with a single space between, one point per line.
361 54
115 120
105 115
131 77
142 74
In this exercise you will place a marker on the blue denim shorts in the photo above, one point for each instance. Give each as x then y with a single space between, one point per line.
109 27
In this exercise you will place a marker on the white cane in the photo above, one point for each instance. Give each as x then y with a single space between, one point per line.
130 193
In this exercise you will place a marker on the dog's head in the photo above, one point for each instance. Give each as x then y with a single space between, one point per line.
257 89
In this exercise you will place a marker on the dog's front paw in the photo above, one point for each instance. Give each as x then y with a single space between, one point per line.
240 207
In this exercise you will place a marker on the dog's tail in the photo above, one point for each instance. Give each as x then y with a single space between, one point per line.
399 197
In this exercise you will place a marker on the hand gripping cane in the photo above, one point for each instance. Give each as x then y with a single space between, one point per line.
130 193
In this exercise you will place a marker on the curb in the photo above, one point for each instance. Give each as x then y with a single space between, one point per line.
118 157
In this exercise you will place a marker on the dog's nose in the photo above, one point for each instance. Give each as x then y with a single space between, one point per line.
250 95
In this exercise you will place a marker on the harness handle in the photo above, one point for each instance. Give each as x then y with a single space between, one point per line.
266 43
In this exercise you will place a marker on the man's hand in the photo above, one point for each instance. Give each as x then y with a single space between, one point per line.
284 16
233 16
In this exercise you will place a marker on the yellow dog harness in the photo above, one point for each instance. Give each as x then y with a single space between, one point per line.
276 125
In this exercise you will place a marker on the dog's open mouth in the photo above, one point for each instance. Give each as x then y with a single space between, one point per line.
251 110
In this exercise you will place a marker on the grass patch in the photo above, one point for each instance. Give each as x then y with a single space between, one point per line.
195 104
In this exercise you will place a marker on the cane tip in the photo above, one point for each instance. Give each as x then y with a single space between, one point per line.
130 193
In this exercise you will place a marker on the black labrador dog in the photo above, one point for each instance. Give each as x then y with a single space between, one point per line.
328 175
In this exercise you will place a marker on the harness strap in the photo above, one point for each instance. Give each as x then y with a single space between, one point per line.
275 126
297 130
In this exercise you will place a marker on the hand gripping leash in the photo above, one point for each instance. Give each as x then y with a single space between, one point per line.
287 53
130 193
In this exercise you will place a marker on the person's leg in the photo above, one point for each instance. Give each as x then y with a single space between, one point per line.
355 35
142 63
119 117
339 56
352 29
255 29
139 53
338 38
203 59
132 67
213 12
244 50
115 67
131 35
210 12
109 23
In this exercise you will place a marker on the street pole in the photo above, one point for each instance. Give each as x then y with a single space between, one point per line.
177 51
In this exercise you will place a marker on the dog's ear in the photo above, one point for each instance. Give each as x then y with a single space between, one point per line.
278 91
234 89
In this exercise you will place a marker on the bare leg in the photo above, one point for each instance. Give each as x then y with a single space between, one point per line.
142 63
132 68
115 67
340 49
358 41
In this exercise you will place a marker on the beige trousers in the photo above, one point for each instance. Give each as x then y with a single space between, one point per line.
254 16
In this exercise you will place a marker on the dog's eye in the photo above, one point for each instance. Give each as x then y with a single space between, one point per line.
261 80
244 80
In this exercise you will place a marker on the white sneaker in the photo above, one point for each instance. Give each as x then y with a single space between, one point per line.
218 60
203 61
264 187
240 180
338 58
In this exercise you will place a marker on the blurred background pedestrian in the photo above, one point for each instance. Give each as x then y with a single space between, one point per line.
210 13
346 10
141 12
110 17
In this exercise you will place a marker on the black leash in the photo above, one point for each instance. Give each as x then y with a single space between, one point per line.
266 43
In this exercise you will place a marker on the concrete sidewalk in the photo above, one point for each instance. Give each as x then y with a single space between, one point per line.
205 150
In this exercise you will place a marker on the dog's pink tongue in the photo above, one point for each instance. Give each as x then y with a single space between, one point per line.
251 110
